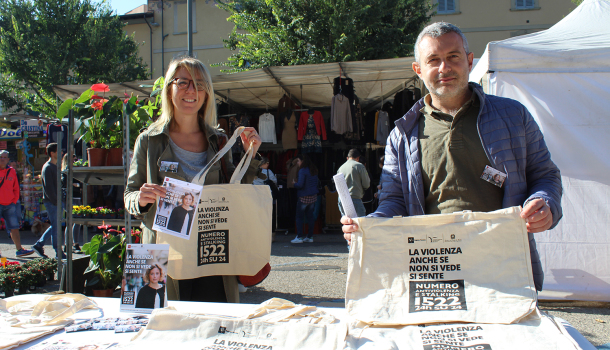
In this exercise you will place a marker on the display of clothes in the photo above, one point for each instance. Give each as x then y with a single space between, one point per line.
341 115
266 128
403 101
52 129
285 107
289 132
382 127
311 128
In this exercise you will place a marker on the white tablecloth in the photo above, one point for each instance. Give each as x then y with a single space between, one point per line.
110 308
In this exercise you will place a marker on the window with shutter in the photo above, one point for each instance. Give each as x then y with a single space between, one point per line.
525 4
446 6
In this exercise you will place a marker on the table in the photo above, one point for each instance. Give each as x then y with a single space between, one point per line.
110 308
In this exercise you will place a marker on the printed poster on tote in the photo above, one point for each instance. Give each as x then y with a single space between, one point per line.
176 211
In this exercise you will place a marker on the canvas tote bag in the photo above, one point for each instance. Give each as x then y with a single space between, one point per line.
167 327
536 332
467 266
231 234
28 317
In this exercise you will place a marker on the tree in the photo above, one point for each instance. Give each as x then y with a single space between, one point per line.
291 32
45 43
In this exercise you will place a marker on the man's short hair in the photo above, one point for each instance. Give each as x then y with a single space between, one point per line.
435 30
353 153
4 152
51 147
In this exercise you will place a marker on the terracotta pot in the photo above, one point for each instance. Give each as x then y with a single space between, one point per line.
106 293
97 156
115 157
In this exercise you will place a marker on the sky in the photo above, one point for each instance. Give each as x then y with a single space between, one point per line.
123 6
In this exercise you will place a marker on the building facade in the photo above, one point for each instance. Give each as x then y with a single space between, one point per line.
162 24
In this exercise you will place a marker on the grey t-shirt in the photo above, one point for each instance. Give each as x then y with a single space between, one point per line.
49 183
191 163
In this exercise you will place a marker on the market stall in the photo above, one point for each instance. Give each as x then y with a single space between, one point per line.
561 75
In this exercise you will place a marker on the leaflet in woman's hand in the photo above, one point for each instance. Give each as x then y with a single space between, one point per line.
176 211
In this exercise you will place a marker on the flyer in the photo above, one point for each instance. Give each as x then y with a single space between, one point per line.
176 211
144 278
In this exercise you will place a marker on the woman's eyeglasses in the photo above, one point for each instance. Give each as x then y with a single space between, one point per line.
184 84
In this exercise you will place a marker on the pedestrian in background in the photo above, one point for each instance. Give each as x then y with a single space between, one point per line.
357 180
9 197
49 198
307 194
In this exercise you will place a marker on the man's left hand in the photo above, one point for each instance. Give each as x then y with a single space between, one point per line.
537 215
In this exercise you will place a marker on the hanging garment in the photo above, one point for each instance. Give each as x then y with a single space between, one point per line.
55 128
318 120
289 133
311 141
266 128
340 115
344 86
383 128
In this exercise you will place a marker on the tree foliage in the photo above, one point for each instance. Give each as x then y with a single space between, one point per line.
45 43
291 32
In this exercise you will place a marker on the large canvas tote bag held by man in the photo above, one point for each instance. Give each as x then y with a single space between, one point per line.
231 234
467 266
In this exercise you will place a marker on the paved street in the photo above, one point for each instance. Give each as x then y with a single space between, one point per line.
315 273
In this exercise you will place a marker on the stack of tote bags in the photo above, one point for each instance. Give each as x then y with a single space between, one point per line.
449 281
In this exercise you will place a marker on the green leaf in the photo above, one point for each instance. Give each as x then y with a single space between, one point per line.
85 96
65 107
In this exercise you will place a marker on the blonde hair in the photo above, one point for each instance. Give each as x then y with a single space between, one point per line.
146 276
196 69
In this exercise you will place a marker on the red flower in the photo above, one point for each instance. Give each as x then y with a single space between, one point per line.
100 87
97 105
104 227
96 97
137 240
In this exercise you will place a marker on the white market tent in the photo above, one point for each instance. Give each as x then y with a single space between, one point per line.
562 76
312 84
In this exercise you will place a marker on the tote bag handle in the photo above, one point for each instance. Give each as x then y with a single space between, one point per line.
241 168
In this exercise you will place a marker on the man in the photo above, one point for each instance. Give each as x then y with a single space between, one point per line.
452 134
49 198
9 197
357 180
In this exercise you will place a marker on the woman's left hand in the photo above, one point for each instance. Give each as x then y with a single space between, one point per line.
251 138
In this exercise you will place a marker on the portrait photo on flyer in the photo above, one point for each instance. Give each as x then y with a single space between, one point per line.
144 277
176 211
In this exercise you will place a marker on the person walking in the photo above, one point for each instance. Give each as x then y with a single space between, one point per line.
307 194
49 198
357 180
9 197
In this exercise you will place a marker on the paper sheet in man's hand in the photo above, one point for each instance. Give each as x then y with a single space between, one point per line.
346 199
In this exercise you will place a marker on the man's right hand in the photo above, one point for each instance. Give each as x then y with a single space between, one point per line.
149 193
348 228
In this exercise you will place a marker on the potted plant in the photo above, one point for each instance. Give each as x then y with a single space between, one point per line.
49 267
7 283
107 253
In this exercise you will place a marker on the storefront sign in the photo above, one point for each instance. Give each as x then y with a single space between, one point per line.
42 144
10 134
34 127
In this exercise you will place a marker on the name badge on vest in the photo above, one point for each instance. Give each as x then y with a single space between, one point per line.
493 176
169 167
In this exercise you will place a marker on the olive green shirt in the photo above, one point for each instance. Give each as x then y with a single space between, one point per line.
453 160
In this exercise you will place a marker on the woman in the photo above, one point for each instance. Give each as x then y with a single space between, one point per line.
181 218
152 295
185 134
76 200
307 194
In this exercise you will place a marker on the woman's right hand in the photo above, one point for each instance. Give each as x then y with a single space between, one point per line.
149 193
348 228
